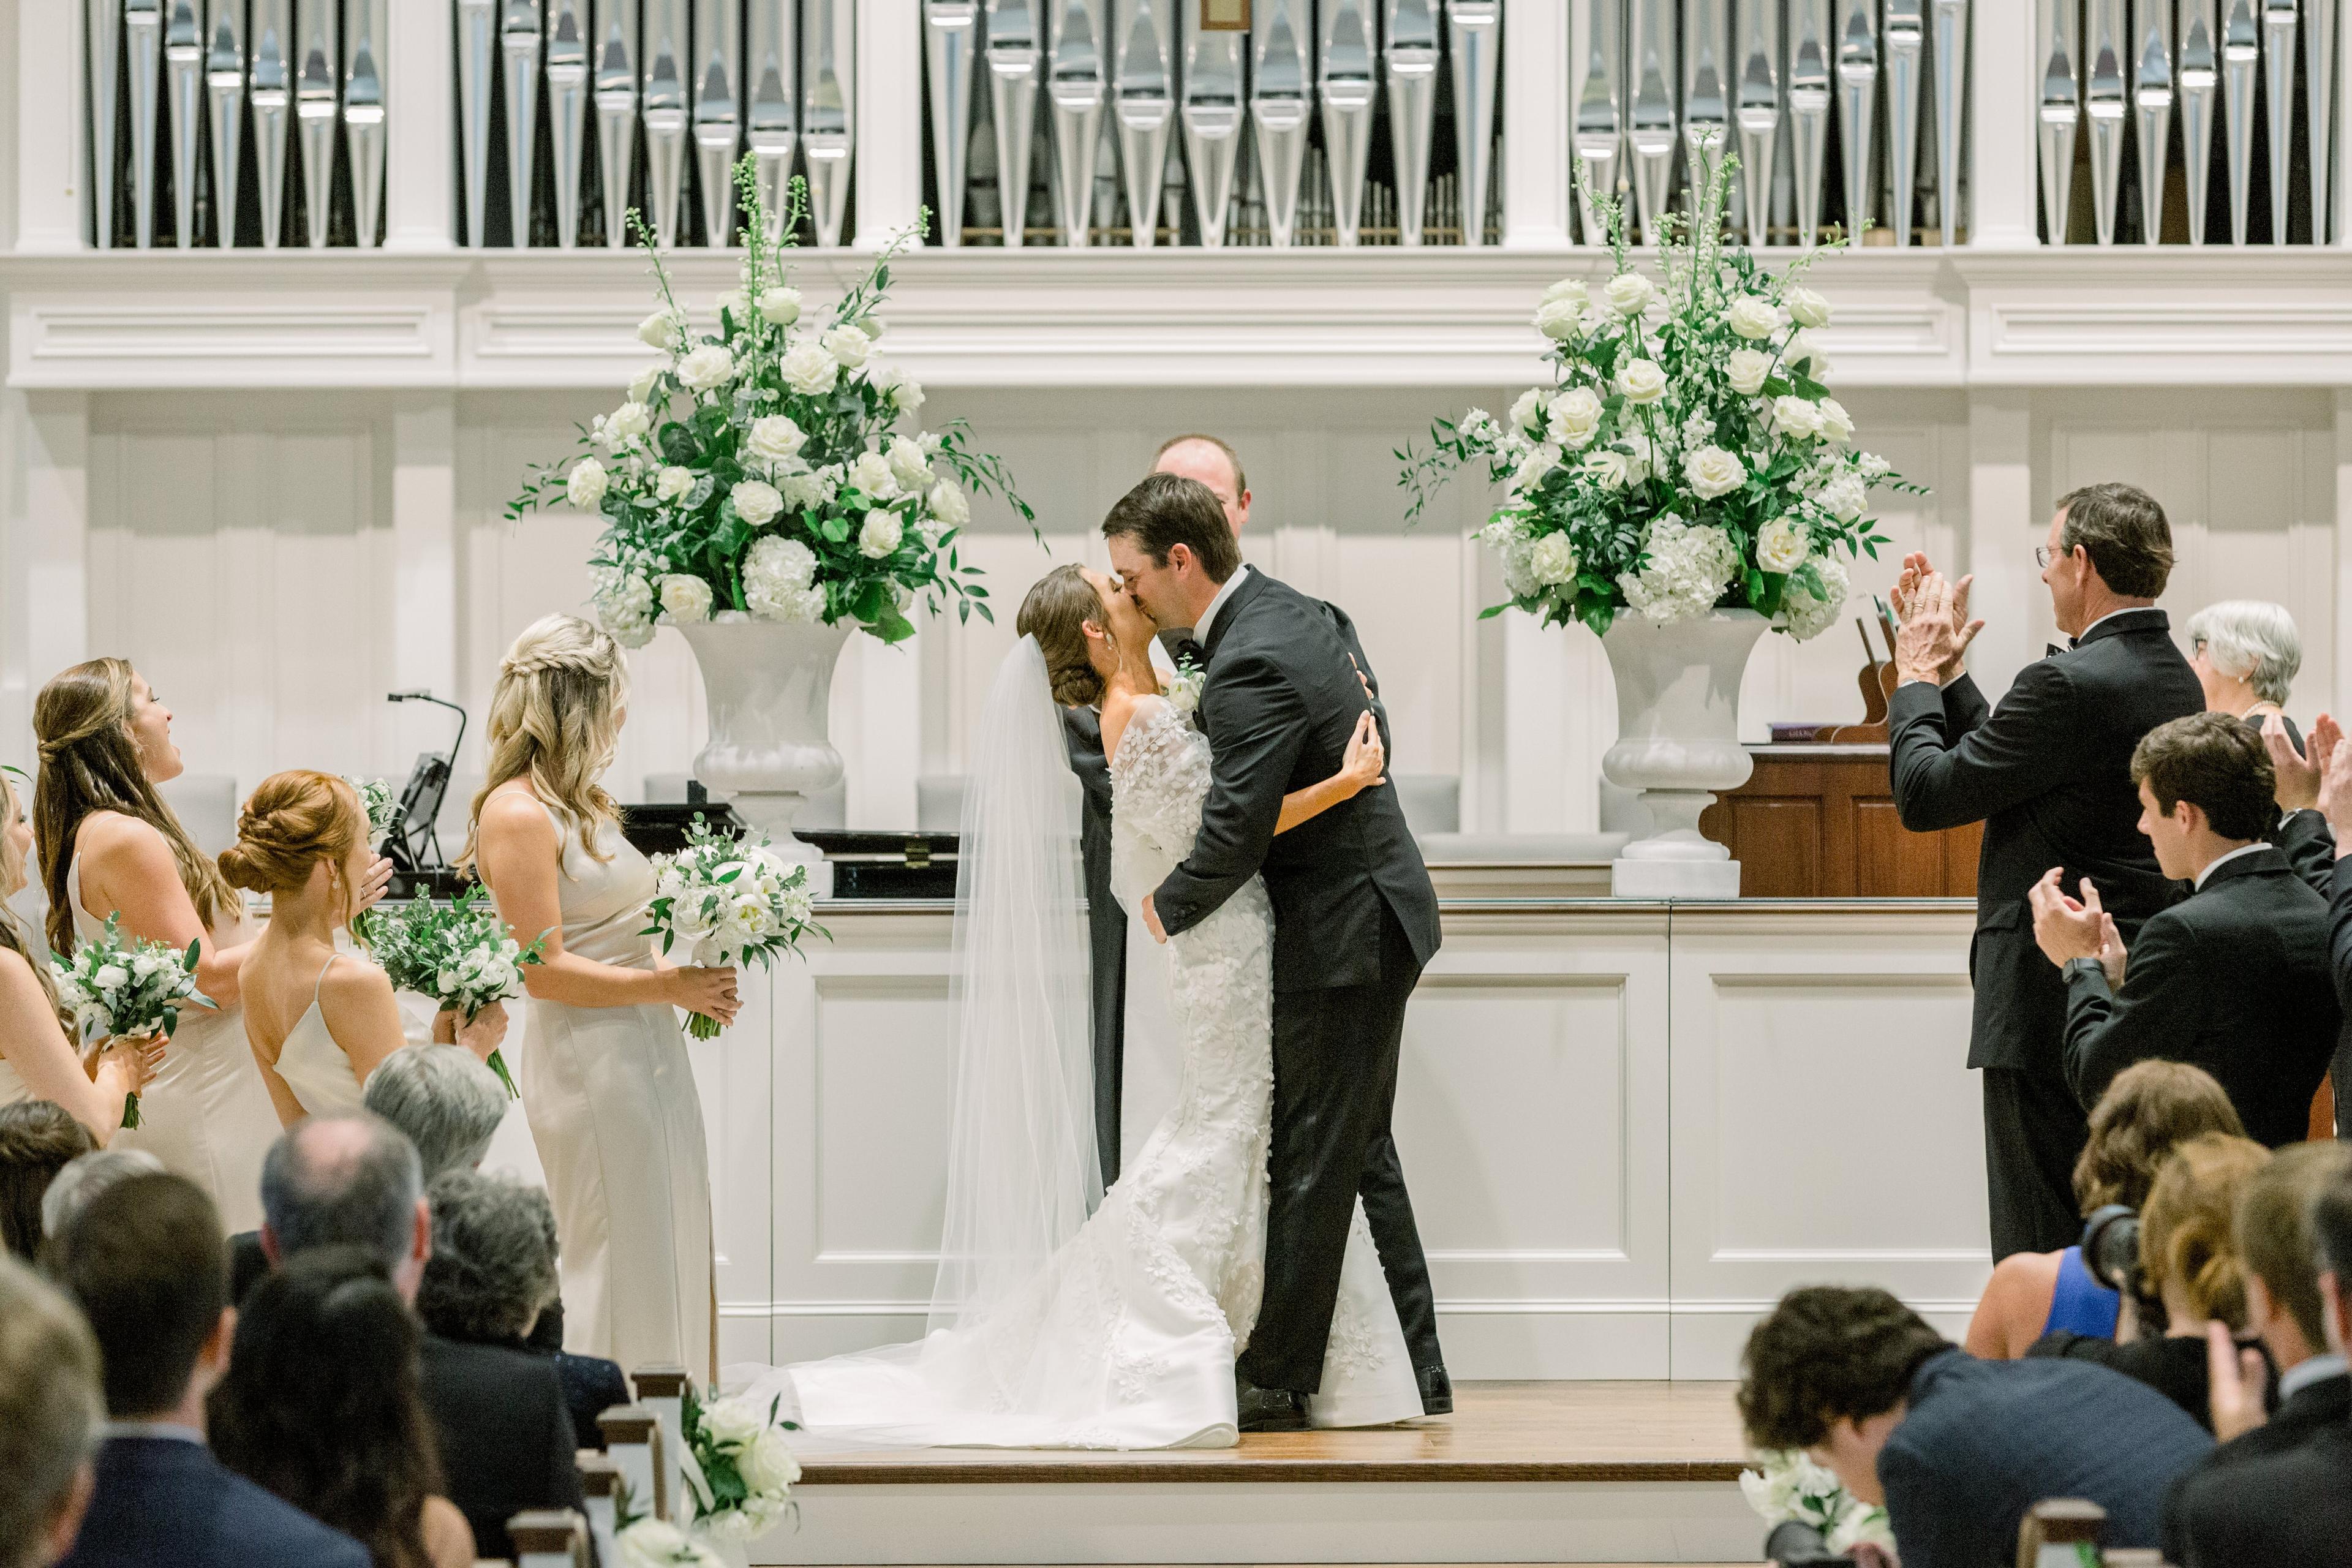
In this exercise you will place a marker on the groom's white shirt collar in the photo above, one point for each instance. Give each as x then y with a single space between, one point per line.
1225 591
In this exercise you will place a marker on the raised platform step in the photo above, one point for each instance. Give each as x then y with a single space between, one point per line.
1523 1472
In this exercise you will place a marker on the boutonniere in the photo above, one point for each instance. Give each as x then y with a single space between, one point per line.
1183 691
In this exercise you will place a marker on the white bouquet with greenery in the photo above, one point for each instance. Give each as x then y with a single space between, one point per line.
743 1471
762 472
460 954
650 1542
382 805
728 901
120 988
1786 1485
1687 454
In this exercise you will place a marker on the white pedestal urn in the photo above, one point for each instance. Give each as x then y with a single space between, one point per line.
768 686
1677 744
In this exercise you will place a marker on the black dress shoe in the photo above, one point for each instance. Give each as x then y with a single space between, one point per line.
1436 1392
1268 1410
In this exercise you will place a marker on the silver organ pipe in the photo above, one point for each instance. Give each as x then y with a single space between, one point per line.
718 111
2103 108
366 27
1857 72
272 96
1905 36
1074 86
2278 57
102 40
224 98
1347 86
2061 107
567 110
2152 107
1951 81
828 119
1755 110
183 62
477 27
1016 55
2241 51
662 73
1650 128
621 24
2319 68
2201 77
1706 91
1281 99
1810 54
950 30
523 29
1211 115
143 37
1144 105
314 112
1412 59
1473 38
1599 126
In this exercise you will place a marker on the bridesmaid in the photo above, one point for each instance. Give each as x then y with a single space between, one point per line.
319 1020
108 845
38 1059
606 1082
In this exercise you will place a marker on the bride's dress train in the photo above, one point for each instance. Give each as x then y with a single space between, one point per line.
1126 1337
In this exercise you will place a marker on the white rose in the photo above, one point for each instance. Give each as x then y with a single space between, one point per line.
768 1465
848 346
1752 318
684 598
1566 289
909 464
1553 559
707 367
1629 293
775 438
111 977
672 483
1713 472
628 422
1641 380
642 389
733 1423
586 488
658 1543
881 535
145 965
1746 370
664 329
1782 544
1533 468
905 392
779 307
1836 423
1807 309
808 370
756 502
1797 417
1610 470
1575 416
949 505
1803 353
803 491
1560 319
1528 411
871 473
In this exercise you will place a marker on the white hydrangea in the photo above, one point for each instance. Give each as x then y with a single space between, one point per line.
779 581
1520 569
1807 616
708 367
808 370
685 597
1782 544
1498 533
1478 426
625 605
1687 568
773 438
1843 497
1553 561
1874 468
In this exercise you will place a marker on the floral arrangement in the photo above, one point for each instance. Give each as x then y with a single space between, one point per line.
651 1543
729 901
382 805
1788 1485
117 987
1687 454
746 1468
461 955
1184 687
758 473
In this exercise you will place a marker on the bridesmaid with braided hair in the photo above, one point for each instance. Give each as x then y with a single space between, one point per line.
605 1078
109 846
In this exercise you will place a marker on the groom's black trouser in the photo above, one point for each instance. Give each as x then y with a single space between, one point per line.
1335 1079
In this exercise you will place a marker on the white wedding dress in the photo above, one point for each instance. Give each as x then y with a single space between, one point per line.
1127 1335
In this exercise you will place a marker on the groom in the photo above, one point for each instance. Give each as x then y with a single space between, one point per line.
1355 920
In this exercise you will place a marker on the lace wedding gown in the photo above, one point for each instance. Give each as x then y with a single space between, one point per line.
1127 1338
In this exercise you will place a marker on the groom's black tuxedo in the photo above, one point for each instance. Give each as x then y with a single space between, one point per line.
1355 920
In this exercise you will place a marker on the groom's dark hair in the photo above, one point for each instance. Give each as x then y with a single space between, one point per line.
1165 510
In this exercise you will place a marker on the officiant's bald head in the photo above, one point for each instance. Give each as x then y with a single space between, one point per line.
1213 462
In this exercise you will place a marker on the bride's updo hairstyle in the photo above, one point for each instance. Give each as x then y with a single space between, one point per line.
90 762
554 719
295 820
1055 613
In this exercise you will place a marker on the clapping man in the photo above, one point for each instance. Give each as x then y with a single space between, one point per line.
2048 774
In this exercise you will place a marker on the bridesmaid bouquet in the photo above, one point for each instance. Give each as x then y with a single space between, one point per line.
383 806
728 901
747 1470
121 988
1789 1485
462 956
759 472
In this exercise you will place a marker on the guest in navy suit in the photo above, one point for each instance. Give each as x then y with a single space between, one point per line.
1955 1448
145 1261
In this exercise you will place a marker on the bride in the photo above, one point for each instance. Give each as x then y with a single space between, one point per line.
1049 1328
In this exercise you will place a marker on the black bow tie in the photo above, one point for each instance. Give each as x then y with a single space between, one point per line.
1186 648
2053 650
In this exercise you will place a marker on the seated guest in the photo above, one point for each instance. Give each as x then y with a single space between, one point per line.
48 1419
142 1259
504 1433
2275 1491
2233 978
38 1140
84 1178
2188 1261
492 1274
1955 1448
320 1405
2150 1108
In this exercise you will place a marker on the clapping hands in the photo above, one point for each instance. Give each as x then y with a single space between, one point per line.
1936 629
2066 929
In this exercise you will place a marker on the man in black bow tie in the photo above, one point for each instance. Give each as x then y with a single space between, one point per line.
2049 773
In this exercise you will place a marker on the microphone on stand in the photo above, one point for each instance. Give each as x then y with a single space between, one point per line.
421 798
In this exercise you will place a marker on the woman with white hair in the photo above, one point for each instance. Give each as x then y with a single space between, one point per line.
2246 653
445 1100
605 1079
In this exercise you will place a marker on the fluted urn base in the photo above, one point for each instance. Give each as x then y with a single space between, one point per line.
1677 744
768 686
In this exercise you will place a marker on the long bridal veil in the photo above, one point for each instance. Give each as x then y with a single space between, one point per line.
1022 1172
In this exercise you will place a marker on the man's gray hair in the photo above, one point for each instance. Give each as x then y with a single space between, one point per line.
342 1181
492 1271
2251 640
84 1178
50 1409
445 1100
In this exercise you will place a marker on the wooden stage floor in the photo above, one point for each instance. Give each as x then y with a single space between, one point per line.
1499 1432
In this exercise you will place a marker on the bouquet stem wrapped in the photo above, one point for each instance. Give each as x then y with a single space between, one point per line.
118 987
